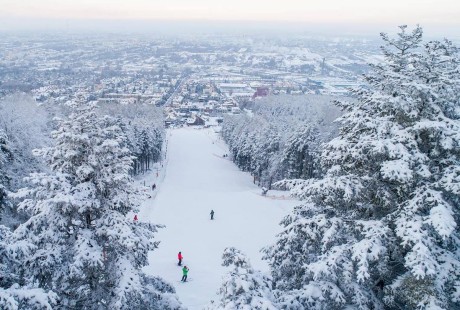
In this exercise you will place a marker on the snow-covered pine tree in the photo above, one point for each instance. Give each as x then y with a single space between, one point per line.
300 156
426 221
15 293
86 247
380 230
4 154
146 149
242 287
265 159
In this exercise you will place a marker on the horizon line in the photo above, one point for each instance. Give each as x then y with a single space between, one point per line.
371 28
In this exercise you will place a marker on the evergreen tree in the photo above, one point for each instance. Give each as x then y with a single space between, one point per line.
301 153
242 287
15 293
380 229
265 150
84 244
4 155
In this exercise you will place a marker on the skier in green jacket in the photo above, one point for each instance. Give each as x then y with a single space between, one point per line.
184 274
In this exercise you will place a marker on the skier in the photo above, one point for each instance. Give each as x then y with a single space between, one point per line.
154 186
179 257
212 214
264 191
135 217
184 274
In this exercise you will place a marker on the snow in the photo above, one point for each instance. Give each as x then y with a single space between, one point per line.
197 179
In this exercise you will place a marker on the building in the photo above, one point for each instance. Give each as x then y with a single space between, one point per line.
261 92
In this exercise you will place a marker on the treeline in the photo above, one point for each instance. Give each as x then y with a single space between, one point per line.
281 138
378 229
26 125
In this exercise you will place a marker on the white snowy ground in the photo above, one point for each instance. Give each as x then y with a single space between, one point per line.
195 179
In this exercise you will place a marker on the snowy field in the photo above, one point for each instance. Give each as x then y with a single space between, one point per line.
197 179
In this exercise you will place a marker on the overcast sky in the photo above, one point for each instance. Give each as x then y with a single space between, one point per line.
441 14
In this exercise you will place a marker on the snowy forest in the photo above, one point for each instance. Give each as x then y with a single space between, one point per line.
66 188
281 137
375 177
378 227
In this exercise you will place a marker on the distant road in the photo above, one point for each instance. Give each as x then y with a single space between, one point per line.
176 90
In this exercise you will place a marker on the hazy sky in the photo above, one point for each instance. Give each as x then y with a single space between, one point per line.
439 13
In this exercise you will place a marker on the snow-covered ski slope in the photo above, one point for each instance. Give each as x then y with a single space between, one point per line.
197 180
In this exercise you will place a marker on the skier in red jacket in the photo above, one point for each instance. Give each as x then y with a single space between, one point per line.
179 257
